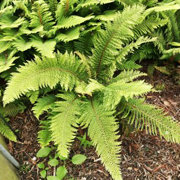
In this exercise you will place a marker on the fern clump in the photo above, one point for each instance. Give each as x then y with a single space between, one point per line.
92 90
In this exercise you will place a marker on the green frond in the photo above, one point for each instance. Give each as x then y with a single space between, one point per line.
44 135
9 22
5 131
114 92
163 7
127 76
149 25
170 52
84 44
53 6
152 119
129 48
64 122
41 16
45 48
12 109
4 46
102 129
128 65
5 3
43 104
64 69
89 88
109 41
7 59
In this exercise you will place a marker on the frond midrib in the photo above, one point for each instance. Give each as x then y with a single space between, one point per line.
102 130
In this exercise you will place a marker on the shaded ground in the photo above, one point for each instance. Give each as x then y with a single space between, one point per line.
144 157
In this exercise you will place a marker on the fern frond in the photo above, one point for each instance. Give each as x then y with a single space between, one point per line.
127 76
4 46
44 135
5 131
115 91
12 109
7 59
107 42
102 129
43 104
170 52
64 122
163 7
129 48
152 119
149 25
64 69
45 48
41 16
53 6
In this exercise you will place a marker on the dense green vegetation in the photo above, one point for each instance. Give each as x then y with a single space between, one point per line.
78 62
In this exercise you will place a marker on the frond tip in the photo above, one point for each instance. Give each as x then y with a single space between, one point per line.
152 119
102 131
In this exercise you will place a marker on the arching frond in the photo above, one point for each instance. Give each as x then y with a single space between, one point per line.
44 135
64 121
41 16
102 129
64 69
7 59
43 104
107 42
152 119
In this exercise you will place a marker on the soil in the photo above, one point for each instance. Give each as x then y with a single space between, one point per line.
144 157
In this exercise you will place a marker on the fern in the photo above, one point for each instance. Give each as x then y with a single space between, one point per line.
102 127
154 120
63 69
5 131
87 73
44 135
63 124
108 42
43 104
41 16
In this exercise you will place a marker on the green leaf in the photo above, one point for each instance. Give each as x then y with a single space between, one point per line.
41 165
43 173
53 162
44 152
69 35
52 178
78 159
61 172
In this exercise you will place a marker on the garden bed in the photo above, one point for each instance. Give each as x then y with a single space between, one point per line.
143 156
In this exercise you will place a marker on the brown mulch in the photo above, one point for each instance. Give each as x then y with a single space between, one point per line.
144 157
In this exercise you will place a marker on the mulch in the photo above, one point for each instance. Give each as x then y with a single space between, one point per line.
144 157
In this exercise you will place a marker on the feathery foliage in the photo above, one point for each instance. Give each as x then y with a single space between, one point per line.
79 55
